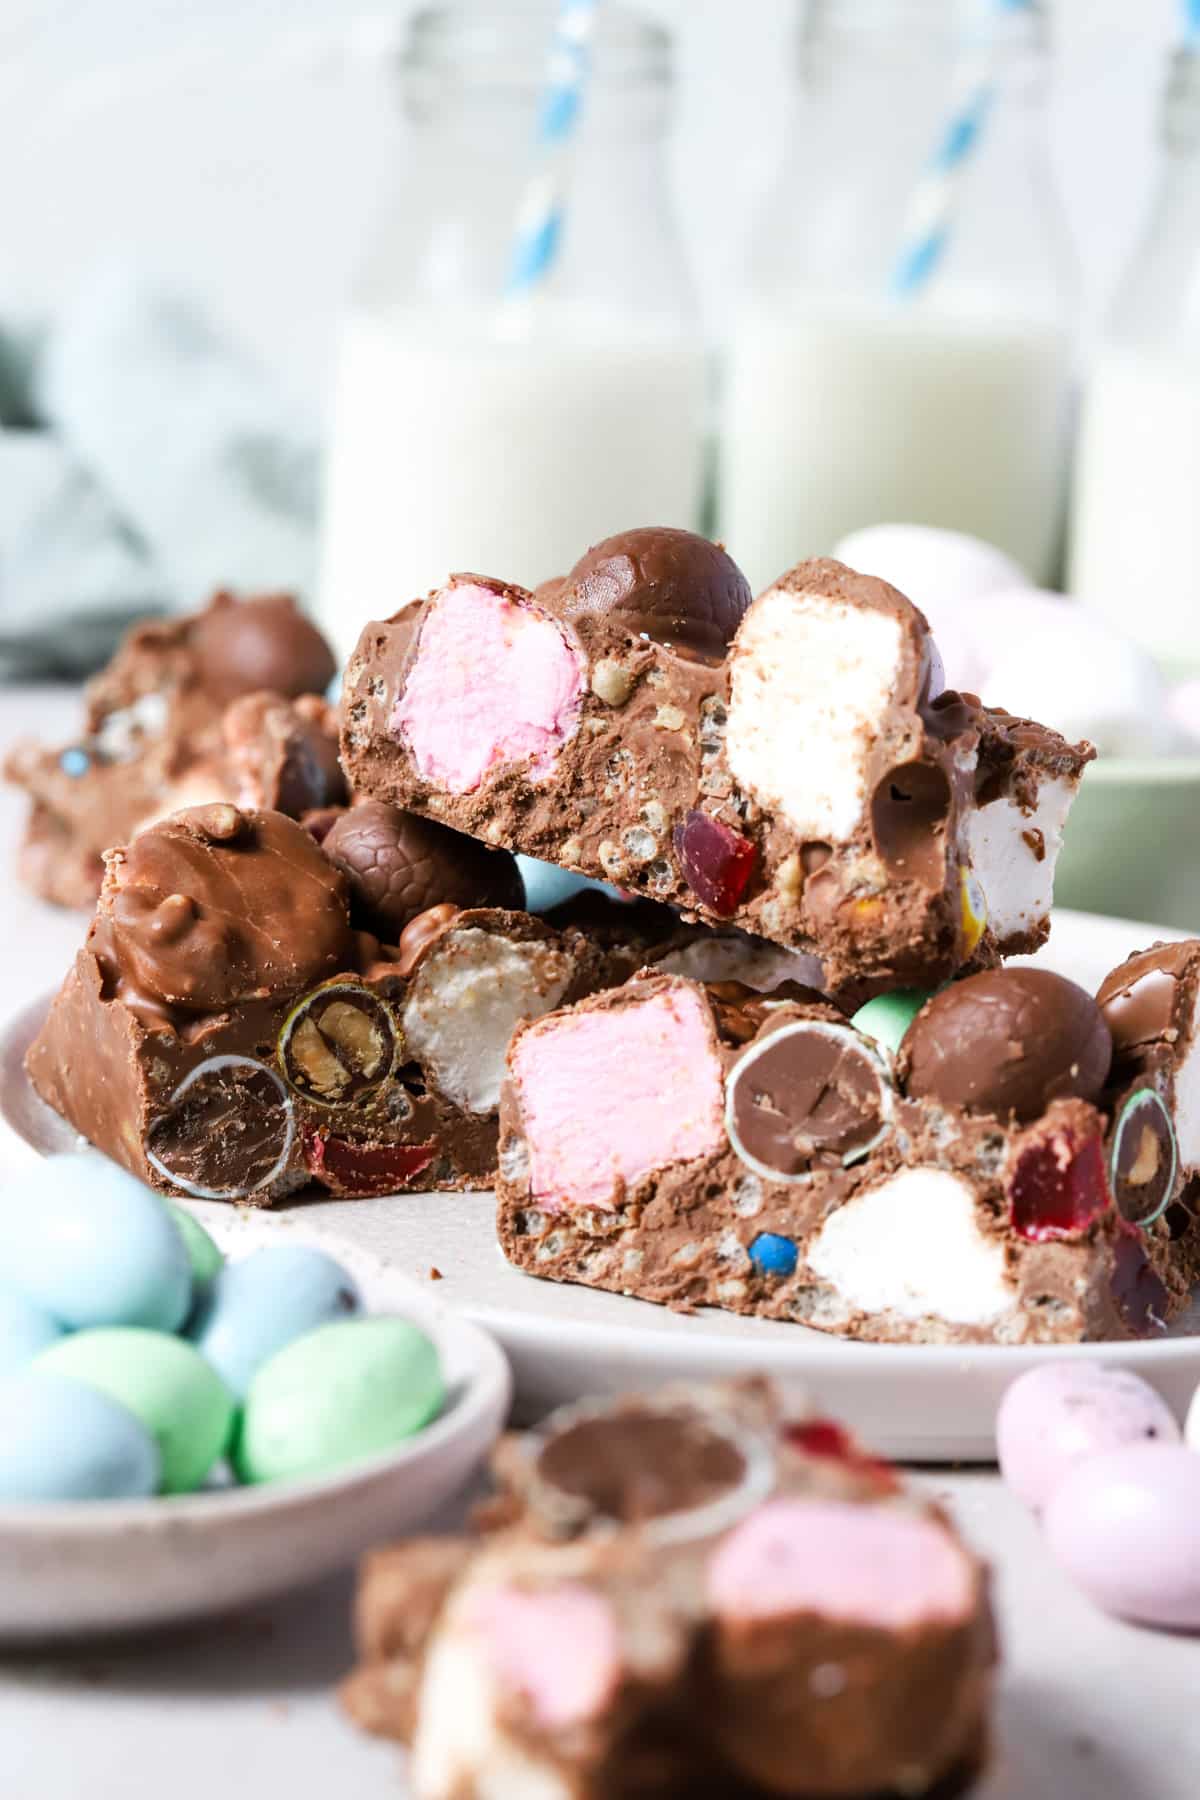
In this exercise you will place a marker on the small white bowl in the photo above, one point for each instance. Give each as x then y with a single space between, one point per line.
67 1570
1132 843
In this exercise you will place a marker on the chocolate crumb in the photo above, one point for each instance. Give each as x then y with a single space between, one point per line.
435 1274
1037 843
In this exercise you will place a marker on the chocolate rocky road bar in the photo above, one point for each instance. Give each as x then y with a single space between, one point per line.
671 1602
1002 1177
226 1031
222 704
794 766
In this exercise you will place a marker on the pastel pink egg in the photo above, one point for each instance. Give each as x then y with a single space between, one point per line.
1125 1525
1063 1413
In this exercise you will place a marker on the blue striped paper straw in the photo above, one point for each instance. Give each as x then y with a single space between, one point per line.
930 216
540 215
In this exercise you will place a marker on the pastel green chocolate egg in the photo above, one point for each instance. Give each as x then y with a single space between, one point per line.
165 1383
344 1391
205 1258
888 1016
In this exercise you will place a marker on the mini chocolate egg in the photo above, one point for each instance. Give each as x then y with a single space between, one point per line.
1061 1413
164 1382
1191 1425
399 865
25 1328
343 1392
203 1254
63 1440
264 1301
1007 1042
1125 1525
94 1246
887 1017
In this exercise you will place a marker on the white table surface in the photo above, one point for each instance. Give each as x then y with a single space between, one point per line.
1088 1709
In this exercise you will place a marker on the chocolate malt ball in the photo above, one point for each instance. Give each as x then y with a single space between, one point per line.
216 905
263 642
1007 1043
399 866
661 583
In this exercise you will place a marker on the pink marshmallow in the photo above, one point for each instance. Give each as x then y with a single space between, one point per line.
859 1565
608 1096
494 682
558 1648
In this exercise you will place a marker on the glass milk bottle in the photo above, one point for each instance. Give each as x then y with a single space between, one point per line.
903 352
1135 540
499 432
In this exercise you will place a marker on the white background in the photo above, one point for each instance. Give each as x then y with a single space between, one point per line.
235 144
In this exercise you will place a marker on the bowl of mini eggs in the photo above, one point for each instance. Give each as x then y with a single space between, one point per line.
202 1406
1131 846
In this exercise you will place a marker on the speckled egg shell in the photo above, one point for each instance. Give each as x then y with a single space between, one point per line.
1058 1415
1125 1525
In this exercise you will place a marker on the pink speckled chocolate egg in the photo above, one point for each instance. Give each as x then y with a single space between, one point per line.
1063 1413
1125 1525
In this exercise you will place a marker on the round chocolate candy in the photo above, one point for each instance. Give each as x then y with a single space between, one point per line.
1143 1158
772 1254
227 1132
399 865
668 585
1138 999
338 1042
811 1095
263 642
1007 1042
215 905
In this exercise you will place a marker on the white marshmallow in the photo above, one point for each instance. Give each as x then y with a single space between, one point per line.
469 994
810 680
913 1246
1187 1101
1058 661
1017 883
948 575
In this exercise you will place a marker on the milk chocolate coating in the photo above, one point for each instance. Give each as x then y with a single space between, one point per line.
811 1096
1007 1042
1137 999
632 1465
399 865
284 753
216 905
264 642
668 585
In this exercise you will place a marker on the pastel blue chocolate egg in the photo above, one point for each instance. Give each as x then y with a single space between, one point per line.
887 1017
62 1440
772 1254
266 1300
546 885
94 1246
25 1328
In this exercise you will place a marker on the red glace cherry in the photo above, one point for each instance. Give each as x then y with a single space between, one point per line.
717 862
350 1168
826 1438
1059 1185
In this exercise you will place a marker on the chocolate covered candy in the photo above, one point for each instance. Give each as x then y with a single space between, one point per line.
792 766
399 865
684 1556
787 1168
228 1034
1007 1042
173 721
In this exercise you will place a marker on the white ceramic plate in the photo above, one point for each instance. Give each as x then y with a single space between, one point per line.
934 1403
113 1566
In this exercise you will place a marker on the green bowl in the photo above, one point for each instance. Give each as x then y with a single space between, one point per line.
1132 844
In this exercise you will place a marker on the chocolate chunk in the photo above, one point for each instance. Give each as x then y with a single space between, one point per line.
810 1095
1138 999
909 810
284 753
1007 1042
399 865
215 905
264 642
671 586
1144 1158
227 1131
631 1466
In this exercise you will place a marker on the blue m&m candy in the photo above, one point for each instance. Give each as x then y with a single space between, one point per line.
772 1254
